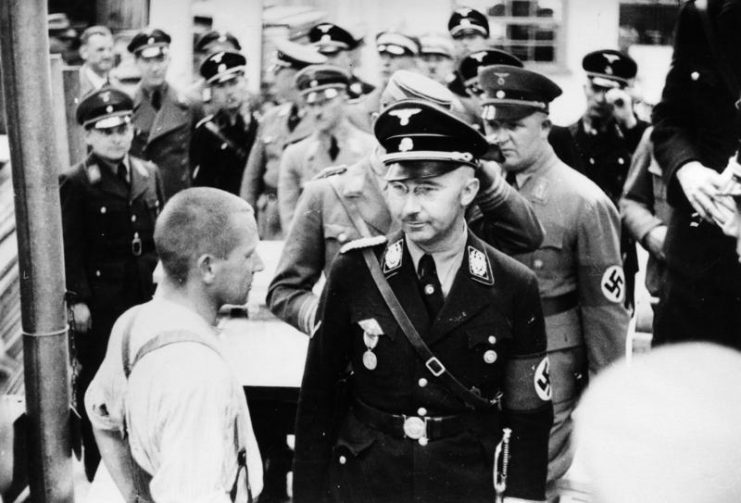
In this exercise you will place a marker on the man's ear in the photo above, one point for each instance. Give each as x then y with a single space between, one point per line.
206 268
470 189
83 52
545 127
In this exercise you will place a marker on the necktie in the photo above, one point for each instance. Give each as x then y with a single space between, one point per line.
511 179
122 174
156 99
431 291
294 118
334 149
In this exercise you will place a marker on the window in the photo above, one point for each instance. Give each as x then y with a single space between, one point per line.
647 22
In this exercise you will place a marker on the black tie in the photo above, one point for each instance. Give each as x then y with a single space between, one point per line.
431 291
122 174
294 118
334 149
511 179
156 99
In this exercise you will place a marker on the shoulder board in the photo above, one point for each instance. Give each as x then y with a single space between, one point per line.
361 243
205 120
331 171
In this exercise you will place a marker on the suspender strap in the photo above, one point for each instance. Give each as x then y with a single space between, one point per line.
214 130
352 211
432 362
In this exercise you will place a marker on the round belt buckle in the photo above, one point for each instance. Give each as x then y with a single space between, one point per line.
414 427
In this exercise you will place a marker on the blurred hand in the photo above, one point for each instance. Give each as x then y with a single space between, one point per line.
701 187
654 241
622 107
487 173
81 318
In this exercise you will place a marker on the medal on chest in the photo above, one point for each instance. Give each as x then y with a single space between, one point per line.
371 333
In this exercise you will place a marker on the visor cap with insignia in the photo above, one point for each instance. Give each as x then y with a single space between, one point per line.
513 93
609 68
58 26
223 66
469 66
329 38
435 44
105 108
217 36
321 81
292 55
397 44
149 43
466 20
405 84
415 130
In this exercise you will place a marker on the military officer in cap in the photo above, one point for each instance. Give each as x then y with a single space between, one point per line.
426 401
109 204
280 127
322 223
340 47
221 142
436 57
396 51
163 117
579 268
608 133
469 30
334 142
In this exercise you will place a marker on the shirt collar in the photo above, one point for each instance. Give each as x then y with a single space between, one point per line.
447 262
94 78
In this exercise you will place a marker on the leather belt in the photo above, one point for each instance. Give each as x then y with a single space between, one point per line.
417 427
560 304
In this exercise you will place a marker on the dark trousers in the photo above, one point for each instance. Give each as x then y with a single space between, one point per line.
692 310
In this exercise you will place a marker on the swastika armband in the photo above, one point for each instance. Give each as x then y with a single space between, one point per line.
599 286
527 383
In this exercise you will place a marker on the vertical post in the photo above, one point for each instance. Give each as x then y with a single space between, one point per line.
58 110
75 140
24 50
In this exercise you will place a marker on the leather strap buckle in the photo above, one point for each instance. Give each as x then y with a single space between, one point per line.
435 366
415 427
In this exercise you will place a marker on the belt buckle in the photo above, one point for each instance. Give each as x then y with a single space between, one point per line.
415 427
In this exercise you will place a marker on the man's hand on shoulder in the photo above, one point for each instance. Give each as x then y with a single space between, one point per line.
81 319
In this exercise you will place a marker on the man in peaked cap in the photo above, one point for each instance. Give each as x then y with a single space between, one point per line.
221 142
163 118
436 57
109 205
396 51
405 410
340 48
579 268
470 31
607 135
281 126
335 140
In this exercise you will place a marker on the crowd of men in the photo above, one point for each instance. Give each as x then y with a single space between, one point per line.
480 260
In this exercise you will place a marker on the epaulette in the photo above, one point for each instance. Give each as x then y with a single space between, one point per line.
330 171
358 244
205 120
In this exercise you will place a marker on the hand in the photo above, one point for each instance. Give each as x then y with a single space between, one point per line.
732 227
81 320
701 187
654 241
487 173
622 107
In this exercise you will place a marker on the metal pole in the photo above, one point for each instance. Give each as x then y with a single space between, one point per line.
58 107
24 49
75 138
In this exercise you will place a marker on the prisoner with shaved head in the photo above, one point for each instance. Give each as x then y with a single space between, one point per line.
165 387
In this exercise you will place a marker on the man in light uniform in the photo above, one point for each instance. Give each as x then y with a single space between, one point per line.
579 269
165 391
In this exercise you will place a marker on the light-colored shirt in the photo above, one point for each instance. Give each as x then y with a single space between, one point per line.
447 262
96 80
184 411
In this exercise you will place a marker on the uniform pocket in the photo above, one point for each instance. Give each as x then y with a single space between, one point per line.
350 470
548 259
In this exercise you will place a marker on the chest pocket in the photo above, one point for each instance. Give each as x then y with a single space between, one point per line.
549 260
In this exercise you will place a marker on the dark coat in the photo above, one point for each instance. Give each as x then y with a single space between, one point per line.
219 151
163 136
490 308
101 221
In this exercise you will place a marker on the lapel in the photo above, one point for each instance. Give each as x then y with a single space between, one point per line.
303 129
397 266
363 190
470 292
172 115
139 177
100 175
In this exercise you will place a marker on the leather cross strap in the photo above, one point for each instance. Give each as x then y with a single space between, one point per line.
352 211
432 362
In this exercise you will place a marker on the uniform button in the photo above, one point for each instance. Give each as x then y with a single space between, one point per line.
343 460
342 237
490 356
223 146
133 218
422 441
695 75
97 273
103 210
429 289
422 382
421 411
492 339
537 263
621 161
591 160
